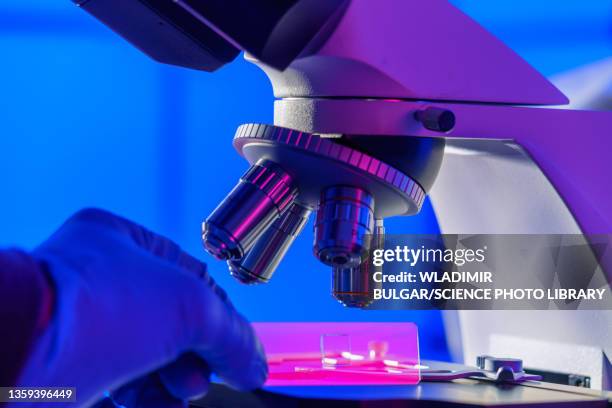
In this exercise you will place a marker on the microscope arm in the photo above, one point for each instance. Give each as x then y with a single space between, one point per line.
571 147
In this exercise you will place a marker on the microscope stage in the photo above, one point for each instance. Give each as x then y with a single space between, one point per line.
463 393
457 393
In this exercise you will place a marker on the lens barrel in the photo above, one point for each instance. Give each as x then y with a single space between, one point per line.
259 264
344 226
354 287
261 196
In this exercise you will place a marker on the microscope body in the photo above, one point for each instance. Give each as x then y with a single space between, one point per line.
510 166
380 104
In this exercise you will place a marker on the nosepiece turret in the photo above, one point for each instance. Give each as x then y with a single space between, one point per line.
351 188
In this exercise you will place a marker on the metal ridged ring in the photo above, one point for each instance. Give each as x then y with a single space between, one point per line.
315 144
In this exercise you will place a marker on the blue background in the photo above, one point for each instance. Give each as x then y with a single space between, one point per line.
87 120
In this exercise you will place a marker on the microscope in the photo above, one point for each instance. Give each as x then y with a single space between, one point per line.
380 104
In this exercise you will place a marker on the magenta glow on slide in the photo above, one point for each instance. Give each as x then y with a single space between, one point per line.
340 353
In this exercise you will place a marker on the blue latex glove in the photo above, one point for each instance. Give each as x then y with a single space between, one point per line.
135 314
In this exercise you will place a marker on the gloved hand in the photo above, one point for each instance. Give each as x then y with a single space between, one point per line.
131 309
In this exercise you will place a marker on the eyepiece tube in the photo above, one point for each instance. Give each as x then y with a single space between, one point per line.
344 226
259 264
261 196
